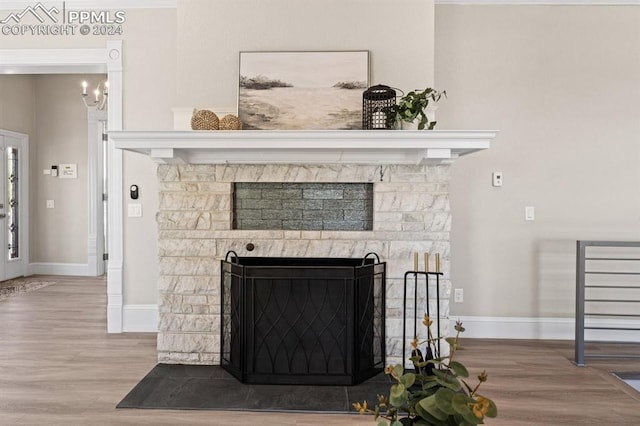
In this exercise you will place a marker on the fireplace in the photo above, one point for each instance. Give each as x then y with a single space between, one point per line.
407 171
302 320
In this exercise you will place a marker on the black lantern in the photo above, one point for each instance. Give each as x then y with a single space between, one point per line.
376 101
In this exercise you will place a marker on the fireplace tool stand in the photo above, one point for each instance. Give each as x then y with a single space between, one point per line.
415 277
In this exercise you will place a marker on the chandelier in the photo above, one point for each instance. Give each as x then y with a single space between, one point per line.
100 94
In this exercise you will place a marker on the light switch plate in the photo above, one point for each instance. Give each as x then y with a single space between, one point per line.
50 204
529 213
134 210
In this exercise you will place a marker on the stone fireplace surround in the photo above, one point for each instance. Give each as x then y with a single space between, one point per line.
411 215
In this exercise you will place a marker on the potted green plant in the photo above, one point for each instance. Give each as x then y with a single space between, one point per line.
413 106
435 394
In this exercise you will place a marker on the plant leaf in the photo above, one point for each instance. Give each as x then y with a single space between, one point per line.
408 380
430 404
448 380
452 341
493 409
426 418
398 395
398 370
430 384
460 421
443 398
459 368
462 404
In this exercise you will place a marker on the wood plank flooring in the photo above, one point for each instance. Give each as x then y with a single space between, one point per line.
58 366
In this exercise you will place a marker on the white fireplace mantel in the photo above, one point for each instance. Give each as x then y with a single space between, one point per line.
305 146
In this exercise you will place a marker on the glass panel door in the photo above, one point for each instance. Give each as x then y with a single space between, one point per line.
14 204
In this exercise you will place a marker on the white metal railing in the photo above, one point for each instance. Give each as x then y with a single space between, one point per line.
608 286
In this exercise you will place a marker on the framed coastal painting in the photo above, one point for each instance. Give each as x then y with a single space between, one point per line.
302 90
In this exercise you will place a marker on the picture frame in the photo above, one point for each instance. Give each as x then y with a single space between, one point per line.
302 90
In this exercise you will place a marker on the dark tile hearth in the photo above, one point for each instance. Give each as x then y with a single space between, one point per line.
209 387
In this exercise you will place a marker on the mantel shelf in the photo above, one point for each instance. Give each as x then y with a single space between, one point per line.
305 146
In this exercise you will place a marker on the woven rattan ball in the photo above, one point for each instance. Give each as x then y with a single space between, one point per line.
204 120
230 122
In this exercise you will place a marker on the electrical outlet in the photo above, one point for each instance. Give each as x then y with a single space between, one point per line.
496 178
50 204
458 295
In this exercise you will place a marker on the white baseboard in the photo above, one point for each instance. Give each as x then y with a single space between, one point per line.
74 269
546 328
140 318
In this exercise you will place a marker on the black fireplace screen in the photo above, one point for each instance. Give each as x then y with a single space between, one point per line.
303 320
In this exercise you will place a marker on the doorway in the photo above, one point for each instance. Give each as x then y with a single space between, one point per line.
14 208
109 60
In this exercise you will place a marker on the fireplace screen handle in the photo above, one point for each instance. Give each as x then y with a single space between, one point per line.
367 255
226 258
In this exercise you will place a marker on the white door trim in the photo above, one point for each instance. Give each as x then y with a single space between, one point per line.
95 149
109 60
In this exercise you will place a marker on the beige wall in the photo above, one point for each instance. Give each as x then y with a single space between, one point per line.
149 94
562 85
17 104
211 33
59 235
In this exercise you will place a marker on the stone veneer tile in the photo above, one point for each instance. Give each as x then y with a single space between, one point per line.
387 226
413 226
189 248
346 225
260 204
186 284
302 224
195 201
247 214
323 194
166 357
302 204
206 323
188 342
223 187
184 220
186 266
